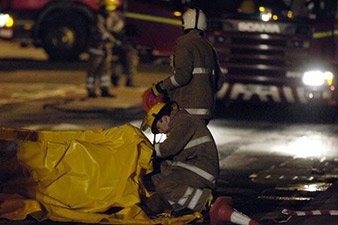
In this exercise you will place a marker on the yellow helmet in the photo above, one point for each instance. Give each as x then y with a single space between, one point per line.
110 5
155 113
247 7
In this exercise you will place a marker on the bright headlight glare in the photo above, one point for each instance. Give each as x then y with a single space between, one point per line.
265 17
6 20
317 78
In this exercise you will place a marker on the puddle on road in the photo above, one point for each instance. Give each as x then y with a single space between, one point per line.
314 187
305 187
330 176
268 178
284 198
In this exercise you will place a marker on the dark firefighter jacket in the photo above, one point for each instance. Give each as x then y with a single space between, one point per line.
102 34
191 146
197 75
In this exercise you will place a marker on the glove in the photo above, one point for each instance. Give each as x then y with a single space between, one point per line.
149 99
158 89
104 37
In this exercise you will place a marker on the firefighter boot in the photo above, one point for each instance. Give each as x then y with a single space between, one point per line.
129 82
91 93
114 80
155 205
106 93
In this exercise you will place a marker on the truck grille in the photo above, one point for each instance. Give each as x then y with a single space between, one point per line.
261 57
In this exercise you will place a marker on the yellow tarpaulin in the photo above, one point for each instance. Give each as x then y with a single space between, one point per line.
80 175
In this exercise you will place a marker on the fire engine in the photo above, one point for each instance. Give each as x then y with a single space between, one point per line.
63 28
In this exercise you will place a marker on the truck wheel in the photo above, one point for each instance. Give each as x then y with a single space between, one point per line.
64 37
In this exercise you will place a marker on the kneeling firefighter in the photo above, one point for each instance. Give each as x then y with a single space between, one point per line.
186 181
189 168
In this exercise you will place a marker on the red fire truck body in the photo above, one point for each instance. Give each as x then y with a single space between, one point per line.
63 27
154 24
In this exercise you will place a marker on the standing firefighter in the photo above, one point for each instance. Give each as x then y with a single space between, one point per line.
186 180
100 50
125 58
197 75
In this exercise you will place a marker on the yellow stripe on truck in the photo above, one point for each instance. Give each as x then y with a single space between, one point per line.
322 34
157 19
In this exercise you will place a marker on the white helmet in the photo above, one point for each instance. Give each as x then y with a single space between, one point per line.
194 19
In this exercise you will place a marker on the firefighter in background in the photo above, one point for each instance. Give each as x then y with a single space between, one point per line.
124 56
196 71
186 181
100 49
313 9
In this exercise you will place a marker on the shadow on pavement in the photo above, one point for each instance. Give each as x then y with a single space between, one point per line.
277 113
12 64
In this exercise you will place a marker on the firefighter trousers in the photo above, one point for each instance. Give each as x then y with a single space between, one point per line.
98 69
179 188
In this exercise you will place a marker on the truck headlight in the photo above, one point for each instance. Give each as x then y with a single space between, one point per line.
266 13
317 77
6 20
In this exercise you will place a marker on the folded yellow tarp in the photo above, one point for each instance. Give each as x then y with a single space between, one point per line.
80 175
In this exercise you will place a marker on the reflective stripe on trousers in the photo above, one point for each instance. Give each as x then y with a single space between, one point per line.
193 201
193 198
104 81
96 51
90 82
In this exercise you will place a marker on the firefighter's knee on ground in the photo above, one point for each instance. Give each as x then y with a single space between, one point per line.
156 205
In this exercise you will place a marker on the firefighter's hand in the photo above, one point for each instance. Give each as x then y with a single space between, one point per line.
149 99
117 43
105 37
157 89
